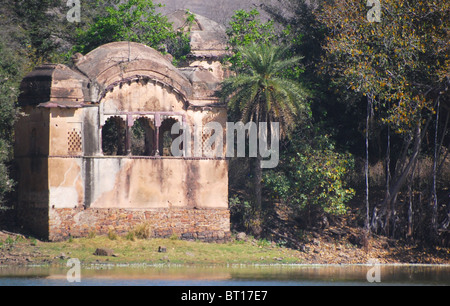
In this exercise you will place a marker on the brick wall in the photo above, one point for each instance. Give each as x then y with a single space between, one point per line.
202 224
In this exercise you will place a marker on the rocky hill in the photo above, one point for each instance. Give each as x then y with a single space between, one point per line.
219 11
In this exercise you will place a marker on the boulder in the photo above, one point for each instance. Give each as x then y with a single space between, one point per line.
241 236
103 252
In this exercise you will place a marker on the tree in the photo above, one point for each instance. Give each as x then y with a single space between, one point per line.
261 94
400 65
11 70
136 21
39 22
246 28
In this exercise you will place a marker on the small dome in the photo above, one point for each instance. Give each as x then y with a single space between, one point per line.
54 83
208 38
203 81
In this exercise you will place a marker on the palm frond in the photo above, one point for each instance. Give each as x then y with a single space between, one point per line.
260 92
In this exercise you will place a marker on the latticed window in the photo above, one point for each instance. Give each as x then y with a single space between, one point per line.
74 142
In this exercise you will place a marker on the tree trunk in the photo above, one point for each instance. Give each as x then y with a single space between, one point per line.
256 226
404 174
410 208
366 166
388 177
403 171
409 232
258 184
434 213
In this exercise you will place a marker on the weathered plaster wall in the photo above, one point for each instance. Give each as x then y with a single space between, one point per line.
66 126
66 182
138 97
147 183
33 196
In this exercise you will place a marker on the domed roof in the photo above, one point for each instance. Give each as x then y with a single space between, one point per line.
116 61
208 38
56 85
110 65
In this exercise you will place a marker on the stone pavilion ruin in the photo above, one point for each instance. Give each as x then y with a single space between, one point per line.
93 144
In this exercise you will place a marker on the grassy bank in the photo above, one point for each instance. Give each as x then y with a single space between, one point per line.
31 251
19 250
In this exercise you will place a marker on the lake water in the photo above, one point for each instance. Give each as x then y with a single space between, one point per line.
232 275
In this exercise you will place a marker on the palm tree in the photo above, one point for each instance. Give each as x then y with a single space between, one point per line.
260 93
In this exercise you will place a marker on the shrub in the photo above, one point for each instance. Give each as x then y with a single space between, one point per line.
112 235
142 231
312 175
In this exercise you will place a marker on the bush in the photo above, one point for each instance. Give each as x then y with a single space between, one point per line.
312 176
241 213
112 235
135 21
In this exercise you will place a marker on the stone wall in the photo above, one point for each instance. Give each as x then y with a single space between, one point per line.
210 225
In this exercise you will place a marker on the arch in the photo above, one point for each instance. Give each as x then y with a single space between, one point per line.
144 80
114 139
143 137
112 63
166 137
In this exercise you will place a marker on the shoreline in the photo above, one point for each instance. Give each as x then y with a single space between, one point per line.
106 265
321 251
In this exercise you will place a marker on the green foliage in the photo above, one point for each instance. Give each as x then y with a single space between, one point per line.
11 69
6 183
312 175
131 236
136 21
33 241
241 212
8 92
401 63
306 35
38 28
246 28
114 137
261 93
112 235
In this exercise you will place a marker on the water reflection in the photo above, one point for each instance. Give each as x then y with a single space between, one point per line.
230 275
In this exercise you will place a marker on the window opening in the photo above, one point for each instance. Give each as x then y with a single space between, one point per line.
166 138
114 137
143 137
